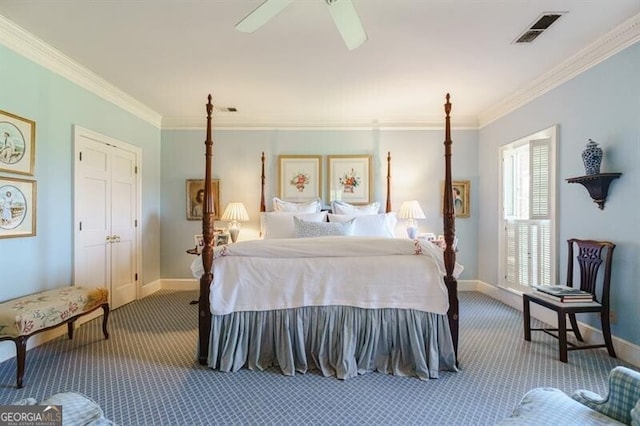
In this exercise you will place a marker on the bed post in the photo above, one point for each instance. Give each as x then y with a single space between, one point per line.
262 205
388 206
204 320
449 232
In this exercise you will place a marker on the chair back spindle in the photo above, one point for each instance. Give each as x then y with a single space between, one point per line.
589 259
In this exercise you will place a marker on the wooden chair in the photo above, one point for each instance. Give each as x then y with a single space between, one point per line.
589 259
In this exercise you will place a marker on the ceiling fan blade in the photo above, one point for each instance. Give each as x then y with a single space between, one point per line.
348 22
261 15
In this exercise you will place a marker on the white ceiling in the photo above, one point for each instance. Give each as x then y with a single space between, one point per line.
296 70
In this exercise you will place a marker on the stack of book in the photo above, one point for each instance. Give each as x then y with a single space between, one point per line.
564 294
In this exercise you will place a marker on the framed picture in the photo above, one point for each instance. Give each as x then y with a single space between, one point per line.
221 239
199 239
17 144
17 207
299 177
460 197
350 178
195 198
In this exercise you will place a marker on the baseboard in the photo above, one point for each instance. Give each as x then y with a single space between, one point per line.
181 284
625 350
149 288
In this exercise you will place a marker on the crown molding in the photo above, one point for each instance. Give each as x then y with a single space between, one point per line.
22 42
26 44
284 123
616 40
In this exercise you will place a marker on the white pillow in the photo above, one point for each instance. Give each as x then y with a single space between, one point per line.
370 225
312 206
340 207
280 224
322 229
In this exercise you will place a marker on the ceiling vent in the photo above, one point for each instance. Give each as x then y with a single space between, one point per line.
226 109
540 25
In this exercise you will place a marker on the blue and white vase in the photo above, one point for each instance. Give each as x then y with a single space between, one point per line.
592 158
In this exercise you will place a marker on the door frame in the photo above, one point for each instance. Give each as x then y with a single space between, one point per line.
79 131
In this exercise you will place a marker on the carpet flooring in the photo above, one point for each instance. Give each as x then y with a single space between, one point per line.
147 374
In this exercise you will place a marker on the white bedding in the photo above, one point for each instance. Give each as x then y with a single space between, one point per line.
263 275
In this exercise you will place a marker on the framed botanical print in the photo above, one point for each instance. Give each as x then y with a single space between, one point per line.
17 207
299 177
350 178
17 144
195 198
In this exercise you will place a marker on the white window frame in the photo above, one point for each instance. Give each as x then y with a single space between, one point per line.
535 219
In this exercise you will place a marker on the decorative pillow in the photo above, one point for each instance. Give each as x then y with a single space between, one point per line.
322 229
369 225
77 409
280 224
340 207
312 206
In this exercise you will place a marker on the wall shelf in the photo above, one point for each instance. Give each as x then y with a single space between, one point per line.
597 185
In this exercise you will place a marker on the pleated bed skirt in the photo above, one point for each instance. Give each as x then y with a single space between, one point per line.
338 341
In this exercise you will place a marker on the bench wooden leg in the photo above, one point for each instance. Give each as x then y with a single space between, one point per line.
70 329
105 318
21 355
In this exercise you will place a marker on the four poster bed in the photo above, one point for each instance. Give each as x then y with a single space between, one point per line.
343 305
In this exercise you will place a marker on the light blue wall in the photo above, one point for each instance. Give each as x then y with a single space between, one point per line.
26 89
417 170
603 104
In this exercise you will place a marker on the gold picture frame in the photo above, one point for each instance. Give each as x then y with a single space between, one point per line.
299 177
17 207
350 178
17 144
195 194
461 197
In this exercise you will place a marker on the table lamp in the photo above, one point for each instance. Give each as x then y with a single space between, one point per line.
410 210
235 213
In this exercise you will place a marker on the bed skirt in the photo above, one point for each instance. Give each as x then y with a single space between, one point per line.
338 341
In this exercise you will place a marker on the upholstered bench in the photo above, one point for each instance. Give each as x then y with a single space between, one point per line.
23 317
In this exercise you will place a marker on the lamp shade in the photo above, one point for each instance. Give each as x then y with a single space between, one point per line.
235 212
411 210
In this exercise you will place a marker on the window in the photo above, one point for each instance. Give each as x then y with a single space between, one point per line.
527 223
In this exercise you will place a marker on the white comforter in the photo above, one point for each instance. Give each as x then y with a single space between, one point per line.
363 272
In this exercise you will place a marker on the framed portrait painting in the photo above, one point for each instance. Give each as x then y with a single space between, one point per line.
17 207
299 177
195 198
350 178
461 197
17 144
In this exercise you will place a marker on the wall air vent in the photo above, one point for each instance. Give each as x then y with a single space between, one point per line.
539 25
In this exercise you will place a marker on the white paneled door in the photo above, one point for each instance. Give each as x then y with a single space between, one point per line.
106 246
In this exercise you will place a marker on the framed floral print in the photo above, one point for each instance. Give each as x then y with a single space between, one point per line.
350 178
17 207
17 144
299 177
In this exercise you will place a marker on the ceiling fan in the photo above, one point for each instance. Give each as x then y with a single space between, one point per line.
343 13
